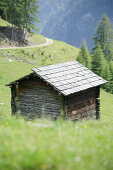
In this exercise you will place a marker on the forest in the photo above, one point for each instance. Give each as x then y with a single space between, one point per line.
100 60
21 13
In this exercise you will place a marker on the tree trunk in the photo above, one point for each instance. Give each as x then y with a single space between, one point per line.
6 16
12 34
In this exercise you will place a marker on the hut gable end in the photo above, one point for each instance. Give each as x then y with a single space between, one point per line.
35 98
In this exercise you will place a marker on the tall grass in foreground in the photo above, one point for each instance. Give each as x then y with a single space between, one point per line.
48 145
56 145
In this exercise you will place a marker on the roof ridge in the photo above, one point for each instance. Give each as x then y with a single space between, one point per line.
72 61
69 77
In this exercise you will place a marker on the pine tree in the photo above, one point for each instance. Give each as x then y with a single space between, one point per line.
30 12
101 67
106 72
103 49
84 56
111 71
107 75
22 13
111 66
4 8
98 61
104 36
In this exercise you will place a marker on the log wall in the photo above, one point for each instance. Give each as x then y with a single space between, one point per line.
84 105
34 98
13 98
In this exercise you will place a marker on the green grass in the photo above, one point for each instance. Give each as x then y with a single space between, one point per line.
9 71
44 144
36 39
55 53
4 23
86 145
106 106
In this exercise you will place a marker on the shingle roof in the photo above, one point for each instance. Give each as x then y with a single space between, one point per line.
69 77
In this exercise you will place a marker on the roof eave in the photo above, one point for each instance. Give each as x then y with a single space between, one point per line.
13 82
85 89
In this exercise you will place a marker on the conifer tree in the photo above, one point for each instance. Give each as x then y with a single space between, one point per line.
104 36
22 13
111 67
98 61
111 71
106 72
30 11
4 8
107 75
84 56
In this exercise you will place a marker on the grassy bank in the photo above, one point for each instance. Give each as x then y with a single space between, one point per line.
16 63
33 39
44 144
4 23
36 39
47 145
55 53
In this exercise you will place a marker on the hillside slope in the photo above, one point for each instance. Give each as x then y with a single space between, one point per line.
5 41
50 145
4 23
45 144
15 63
54 53
74 21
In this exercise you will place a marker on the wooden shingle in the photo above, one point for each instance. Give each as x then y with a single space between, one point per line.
69 77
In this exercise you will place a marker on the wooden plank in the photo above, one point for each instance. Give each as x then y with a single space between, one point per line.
83 104
36 98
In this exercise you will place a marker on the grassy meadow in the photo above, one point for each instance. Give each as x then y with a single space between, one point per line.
45 144
36 39
55 53
4 23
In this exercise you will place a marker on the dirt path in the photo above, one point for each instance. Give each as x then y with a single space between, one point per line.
48 42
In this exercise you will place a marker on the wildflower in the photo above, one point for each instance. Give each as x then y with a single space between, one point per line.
43 167
85 126
6 123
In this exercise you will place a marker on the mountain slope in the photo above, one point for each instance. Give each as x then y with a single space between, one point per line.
5 38
16 63
43 144
75 21
50 12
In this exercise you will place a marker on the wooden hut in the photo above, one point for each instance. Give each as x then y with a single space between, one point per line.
66 89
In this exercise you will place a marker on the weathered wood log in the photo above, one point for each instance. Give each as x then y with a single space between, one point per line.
34 98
